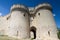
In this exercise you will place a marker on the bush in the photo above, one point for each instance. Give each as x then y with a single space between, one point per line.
58 34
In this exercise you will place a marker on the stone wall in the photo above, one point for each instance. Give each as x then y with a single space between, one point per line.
21 21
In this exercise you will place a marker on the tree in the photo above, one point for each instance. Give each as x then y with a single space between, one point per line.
58 34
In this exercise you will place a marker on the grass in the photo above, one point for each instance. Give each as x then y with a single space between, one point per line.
5 37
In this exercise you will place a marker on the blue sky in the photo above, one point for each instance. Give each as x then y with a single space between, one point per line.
6 4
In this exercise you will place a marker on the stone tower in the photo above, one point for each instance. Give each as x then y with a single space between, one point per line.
19 22
43 23
26 23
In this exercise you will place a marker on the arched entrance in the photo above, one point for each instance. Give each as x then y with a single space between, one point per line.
33 30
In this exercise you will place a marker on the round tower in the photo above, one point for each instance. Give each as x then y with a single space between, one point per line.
43 23
19 22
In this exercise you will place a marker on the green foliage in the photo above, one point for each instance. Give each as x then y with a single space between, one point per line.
31 38
58 34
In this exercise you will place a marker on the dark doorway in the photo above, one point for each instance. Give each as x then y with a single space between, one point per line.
33 29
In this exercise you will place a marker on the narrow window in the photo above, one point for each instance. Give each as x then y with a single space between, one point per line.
33 17
17 33
24 14
8 17
49 33
38 13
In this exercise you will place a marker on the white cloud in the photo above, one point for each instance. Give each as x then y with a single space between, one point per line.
0 14
54 14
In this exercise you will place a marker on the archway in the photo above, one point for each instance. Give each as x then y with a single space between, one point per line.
33 29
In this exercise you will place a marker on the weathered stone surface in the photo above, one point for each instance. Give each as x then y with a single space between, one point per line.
21 21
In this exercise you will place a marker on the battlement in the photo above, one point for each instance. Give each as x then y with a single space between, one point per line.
43 6
18 7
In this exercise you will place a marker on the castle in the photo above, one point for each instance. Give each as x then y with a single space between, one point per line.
28 22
